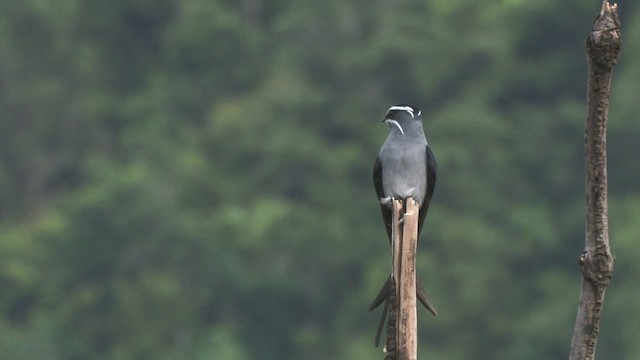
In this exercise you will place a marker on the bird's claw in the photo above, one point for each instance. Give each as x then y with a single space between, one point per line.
387 202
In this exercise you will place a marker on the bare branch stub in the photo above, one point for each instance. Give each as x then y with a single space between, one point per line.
407 334
596 262
396 245
401 341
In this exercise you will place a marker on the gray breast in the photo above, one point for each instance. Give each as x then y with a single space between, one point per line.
404 170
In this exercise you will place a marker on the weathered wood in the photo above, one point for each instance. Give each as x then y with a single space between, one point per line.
402 329
408 319
596 262
396 239
391 346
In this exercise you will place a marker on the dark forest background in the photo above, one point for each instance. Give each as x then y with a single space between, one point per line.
191 179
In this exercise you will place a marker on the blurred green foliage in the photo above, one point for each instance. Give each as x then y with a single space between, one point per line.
192 179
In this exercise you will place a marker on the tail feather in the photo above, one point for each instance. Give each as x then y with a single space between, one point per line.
382 319
424 299
383 295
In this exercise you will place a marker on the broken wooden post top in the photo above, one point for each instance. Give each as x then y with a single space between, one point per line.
402 331
604 41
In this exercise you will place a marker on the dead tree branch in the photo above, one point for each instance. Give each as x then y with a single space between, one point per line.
596 262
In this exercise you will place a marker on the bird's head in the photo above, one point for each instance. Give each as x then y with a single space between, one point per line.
404 120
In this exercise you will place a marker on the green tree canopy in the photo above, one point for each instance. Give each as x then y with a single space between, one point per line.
192 179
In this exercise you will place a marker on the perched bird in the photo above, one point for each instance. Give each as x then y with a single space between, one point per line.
405 167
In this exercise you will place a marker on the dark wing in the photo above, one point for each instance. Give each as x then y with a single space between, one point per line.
383 295
432 169
377 183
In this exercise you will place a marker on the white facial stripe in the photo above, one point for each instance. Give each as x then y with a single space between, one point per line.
403 108
419 112
395 123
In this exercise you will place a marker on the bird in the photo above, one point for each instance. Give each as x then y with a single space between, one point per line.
405 167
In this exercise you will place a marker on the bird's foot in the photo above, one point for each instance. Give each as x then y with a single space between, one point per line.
387 202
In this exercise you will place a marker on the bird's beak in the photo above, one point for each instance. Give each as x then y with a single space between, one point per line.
392 122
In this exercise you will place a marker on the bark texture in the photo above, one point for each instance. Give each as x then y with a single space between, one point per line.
408 318
391 346
402 328
596 262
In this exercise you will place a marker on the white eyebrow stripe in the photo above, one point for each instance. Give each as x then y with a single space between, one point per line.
396 124
403 108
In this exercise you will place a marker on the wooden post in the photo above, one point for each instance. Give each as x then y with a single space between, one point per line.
596 262
402 337
408 319
396 239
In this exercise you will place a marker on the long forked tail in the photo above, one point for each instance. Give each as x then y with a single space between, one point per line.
383 295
